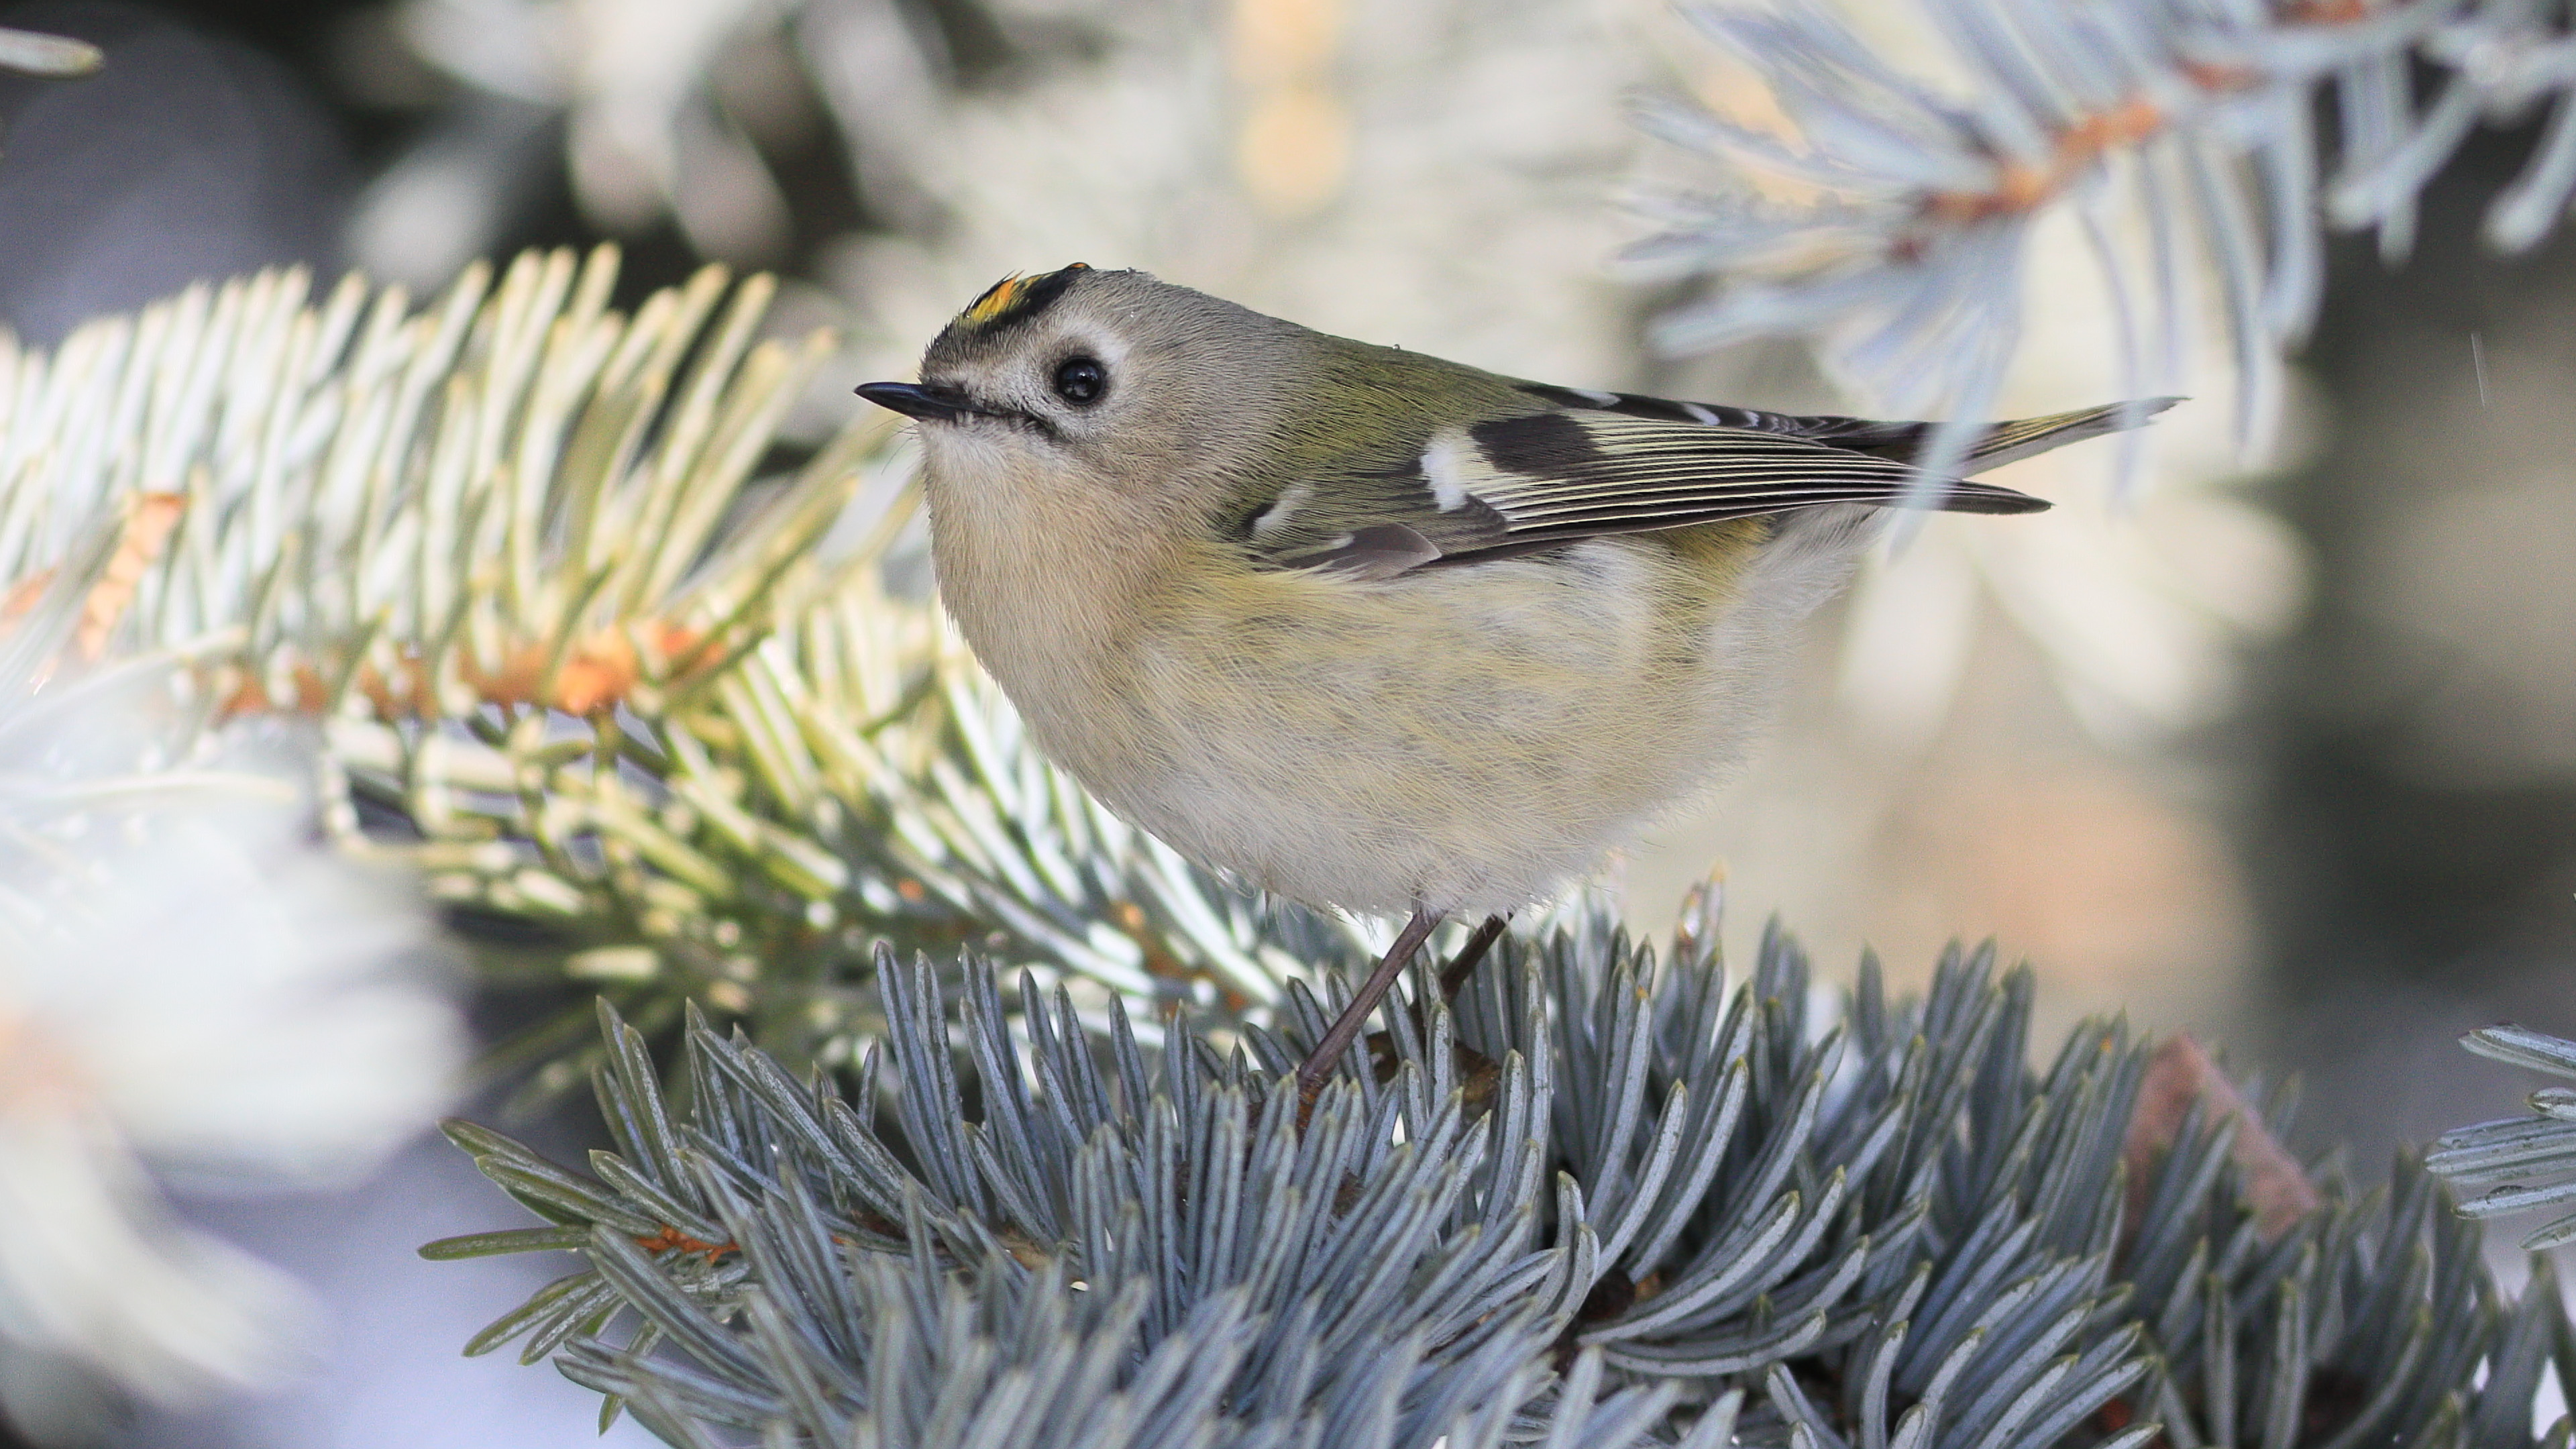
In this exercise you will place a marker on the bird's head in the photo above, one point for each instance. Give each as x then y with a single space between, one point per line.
1112 382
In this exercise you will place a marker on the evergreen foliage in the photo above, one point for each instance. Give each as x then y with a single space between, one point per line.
1608 1197
564 589
2526 1163
568 591
2180 137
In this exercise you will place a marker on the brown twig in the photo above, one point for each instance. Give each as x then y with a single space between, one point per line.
2181 1076
2024 187
600 672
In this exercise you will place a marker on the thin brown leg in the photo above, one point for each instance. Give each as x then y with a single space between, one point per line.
1463 965
1346 1028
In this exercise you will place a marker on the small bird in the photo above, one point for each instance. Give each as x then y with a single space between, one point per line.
1367 629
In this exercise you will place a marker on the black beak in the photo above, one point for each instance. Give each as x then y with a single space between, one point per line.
929 402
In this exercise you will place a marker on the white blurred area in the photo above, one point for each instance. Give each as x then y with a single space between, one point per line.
385 1373
2049 730
197 992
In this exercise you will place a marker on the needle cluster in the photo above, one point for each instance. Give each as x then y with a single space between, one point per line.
1898 216
1606 1197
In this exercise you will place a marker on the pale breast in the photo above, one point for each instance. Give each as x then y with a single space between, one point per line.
1467 737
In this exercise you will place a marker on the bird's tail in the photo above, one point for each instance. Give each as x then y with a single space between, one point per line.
2003 442
2027 437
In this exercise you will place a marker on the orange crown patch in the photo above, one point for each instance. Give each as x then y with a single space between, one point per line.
996 298
1017 294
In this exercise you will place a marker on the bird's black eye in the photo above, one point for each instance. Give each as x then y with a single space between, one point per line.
1081 380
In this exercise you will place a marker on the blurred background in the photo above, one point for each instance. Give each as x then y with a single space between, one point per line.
2283 753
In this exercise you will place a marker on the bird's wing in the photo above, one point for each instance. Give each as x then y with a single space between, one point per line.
1516 484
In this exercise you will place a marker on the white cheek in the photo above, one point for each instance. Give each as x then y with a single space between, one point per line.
972 451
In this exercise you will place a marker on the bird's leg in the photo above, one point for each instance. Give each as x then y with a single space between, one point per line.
1346 1028
1463 965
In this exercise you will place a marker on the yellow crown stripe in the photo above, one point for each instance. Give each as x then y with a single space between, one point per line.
1017 295
997 298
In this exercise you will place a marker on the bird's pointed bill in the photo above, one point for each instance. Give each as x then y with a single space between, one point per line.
915 400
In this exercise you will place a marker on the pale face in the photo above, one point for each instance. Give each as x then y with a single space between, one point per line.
1146 392
1050 392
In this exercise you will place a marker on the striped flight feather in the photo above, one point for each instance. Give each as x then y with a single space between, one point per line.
1790 487
1605 464
1715 510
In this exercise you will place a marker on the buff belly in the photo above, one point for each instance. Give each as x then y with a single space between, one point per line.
1469 739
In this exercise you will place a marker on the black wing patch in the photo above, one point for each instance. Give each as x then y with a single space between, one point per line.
1541 445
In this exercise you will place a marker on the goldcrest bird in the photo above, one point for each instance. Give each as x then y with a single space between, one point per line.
1367 629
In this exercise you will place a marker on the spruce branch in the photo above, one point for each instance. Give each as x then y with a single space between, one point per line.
1382 1272
2525 1163
1606 1167
1896 215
